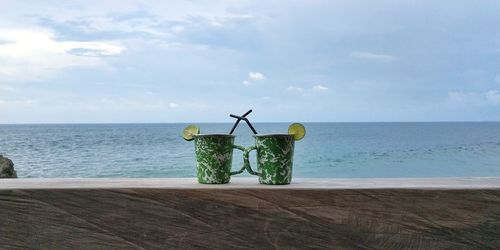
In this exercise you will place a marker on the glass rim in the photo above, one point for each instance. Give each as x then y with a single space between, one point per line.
271 135
214 135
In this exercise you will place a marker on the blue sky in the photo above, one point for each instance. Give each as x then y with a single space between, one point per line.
198 61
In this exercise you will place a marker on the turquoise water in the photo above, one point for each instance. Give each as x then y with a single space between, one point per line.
328 150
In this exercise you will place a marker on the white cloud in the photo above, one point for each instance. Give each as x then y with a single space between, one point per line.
18 103
294 89
253 77
316 88
369 56
320 88
256 76
34 53
178 28
474 98
91 48
144 103
133 25
134 19
461 97
493 96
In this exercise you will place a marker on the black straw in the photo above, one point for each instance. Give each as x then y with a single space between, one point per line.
243 117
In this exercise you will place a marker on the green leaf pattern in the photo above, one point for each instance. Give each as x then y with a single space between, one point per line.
274 158
214 154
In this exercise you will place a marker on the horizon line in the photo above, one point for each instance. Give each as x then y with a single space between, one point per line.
215 122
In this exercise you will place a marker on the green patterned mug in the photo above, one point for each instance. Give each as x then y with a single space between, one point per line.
274 158
214 156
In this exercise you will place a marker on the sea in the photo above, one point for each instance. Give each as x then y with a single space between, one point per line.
334 150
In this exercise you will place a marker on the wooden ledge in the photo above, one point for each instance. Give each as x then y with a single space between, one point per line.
428 213
252 183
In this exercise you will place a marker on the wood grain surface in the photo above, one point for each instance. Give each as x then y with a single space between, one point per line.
169 218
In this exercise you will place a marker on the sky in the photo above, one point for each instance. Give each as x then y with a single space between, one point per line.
290 61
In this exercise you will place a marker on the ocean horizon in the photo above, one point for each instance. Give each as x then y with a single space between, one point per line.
329 149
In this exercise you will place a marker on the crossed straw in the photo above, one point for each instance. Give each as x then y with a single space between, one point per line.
243 117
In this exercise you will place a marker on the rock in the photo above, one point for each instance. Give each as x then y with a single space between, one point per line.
7 168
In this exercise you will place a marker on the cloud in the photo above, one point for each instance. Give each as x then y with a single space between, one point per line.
368 56
315 88
294 89
167 46
18 103
253 77
178 28
491 97
34 53
120 103
256 76
91 48
320 88
185 26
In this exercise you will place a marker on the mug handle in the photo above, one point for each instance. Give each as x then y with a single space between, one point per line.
243 167
246 162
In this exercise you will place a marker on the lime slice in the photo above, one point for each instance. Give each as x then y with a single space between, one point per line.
297 130
189 131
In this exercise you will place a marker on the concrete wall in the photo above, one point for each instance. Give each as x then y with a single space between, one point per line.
319 213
